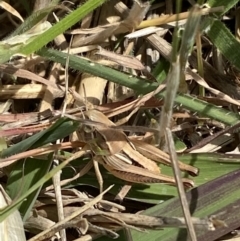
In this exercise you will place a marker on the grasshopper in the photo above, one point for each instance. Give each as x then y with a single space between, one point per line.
131 160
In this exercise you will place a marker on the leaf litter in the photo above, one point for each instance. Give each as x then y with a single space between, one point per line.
110 35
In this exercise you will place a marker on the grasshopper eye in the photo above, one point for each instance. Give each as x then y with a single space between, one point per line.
88 129
85 129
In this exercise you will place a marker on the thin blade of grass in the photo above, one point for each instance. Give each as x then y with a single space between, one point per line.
33 19
50 34
180 188
226 4
61 26
4 213
60 129
223 39
32 172
173 80
141 86
217 197
24 175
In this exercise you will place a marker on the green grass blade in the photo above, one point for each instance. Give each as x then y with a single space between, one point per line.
6 52
224 40
58 130
4 213
210 157
33 19
211 198
161 70
188 37
32 170
140 85
61 26
44 38
220 196
226 4
23 176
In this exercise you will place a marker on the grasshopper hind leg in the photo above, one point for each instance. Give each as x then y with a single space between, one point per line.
123 192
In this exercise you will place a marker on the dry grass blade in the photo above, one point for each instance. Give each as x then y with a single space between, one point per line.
136 15
49 232
147 222
126 61
188 38
176 77
10 9
168 18
39 151
179 183
81 173
173 80
22 73
27 91
57 176
219 94
131 22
